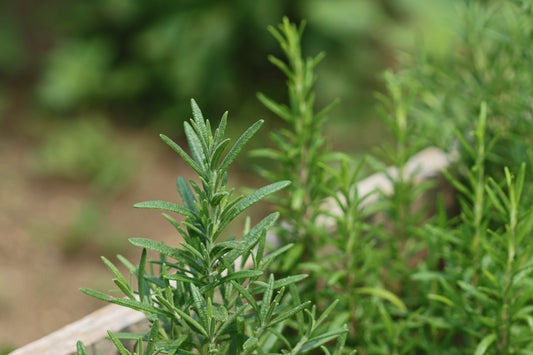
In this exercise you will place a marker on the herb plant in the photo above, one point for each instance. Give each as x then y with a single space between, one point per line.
211 296
457 283
342 256
405 281
301 149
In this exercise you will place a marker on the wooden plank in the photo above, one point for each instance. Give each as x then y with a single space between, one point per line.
92 330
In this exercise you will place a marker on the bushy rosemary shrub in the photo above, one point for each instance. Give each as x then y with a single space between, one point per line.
476 279
490 60
211 296
361 264
453 284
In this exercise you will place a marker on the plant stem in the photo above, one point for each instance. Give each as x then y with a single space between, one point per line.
479 192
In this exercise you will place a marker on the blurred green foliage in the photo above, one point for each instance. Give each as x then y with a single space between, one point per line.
85 149
143 60
90 230
12 51
491 61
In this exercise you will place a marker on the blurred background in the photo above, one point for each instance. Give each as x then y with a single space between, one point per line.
86 87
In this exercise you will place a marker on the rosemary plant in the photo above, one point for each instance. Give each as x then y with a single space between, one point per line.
300 150
481 299
203 297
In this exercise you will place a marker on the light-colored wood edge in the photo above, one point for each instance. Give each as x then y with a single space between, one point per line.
92 329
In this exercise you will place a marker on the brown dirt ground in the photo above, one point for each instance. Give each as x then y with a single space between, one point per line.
39 283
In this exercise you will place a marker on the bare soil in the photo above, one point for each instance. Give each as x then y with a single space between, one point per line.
39 281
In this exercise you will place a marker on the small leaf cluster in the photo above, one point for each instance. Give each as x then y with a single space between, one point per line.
209 296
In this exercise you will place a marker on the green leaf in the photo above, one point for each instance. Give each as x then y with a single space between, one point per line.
80 348
281 111
281 66
484 344
186 195
494 199
441 299
326 313
166 206
321 339
251 199
230 244
113 269
247 295
195 144
217 152
199 305
96 294
267 297
183 352
266 153
184 155
192 250
124 287
183 278
220 313
126 263
158 247
238 146
323 113
118 344
250 342
142 307
199 118
231 319
244 274
468 288
152 338
289 313
191 321
458 185
385 294
280 283
250 239
140 277
221 129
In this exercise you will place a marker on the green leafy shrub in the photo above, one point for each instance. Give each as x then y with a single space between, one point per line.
451 284
200 297
146 59
343 259
489 60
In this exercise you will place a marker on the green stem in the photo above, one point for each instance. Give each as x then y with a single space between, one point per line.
479 191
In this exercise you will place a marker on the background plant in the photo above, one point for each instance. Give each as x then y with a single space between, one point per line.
489 60
471 305
200 297
117 55
446 284
466 292
347 258
301 150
